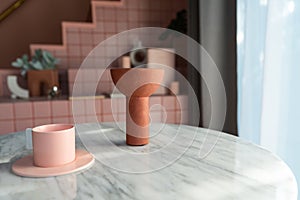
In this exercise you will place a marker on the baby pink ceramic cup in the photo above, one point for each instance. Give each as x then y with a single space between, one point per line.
53 145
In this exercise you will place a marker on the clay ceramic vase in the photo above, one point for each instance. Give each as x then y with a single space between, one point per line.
137 84
53 145
36 79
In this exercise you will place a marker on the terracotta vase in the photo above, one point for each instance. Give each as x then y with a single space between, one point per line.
40 81
53 145
137 84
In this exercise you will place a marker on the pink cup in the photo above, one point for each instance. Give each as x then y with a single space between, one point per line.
53 145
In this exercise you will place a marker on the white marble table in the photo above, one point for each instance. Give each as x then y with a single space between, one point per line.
170 167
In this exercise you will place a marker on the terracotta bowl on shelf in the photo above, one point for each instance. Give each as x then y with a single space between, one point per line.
139 82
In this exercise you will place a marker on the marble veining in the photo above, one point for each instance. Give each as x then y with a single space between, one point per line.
234 169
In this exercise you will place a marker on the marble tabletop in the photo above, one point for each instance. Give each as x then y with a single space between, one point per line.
181 162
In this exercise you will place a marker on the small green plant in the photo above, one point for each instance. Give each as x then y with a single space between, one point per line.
41 60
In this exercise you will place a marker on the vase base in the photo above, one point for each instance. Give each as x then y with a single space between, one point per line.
136 141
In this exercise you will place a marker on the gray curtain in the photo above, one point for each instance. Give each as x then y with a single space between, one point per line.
213 24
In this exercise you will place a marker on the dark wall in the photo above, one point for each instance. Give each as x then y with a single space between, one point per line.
218 36
216 32
36 21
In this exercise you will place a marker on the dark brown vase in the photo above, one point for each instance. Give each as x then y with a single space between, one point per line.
137 84
40 81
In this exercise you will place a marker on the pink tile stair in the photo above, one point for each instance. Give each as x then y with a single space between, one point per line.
18 116
108 18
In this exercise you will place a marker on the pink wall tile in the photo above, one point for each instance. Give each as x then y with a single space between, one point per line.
185 117
99 73
181 102
98 37
100 14
71 88
22 124
90 107
76 90
171 117
60 108
91 119
155 103
154 5
86 49
73 38
74 50
110 27
79 119
121 117
122 26
85 29
1 83
109 14
111 50
182 117
23 110
133 16
60 120
64 63
106 106
7 126
121 105
132 25
166 5
144 16
78 75
155 117
72 75
61 53
98 106
133 4
71 120
5 90
86 39
122 16
75 62
6 111
144 5
103 87
99 28
108 118
155 16
77 107
168 102
41 109
89 89
89 75
90 62
72 29
179 4
99 117
42 121
106 75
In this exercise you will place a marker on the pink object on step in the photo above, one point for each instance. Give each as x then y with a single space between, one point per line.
53 145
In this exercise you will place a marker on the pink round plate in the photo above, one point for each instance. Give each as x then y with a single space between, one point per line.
25 167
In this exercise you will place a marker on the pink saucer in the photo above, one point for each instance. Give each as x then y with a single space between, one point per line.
25 167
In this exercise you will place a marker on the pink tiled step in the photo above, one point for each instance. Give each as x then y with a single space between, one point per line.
109 18
18 116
